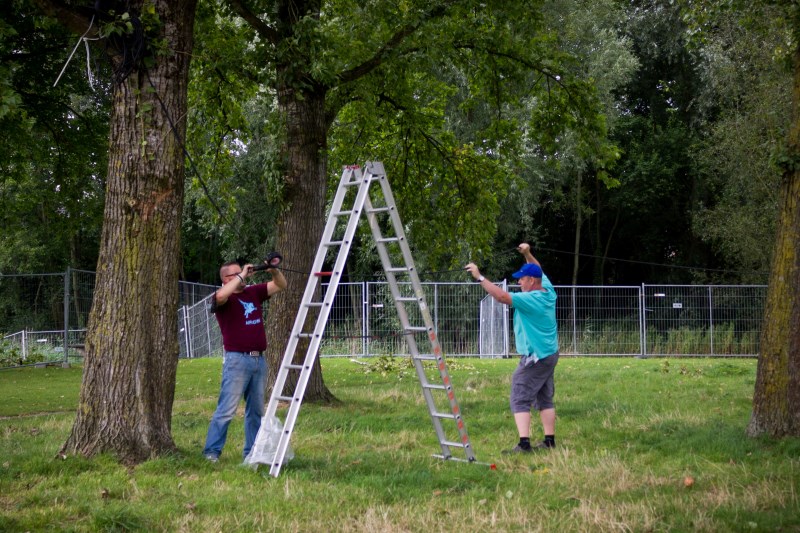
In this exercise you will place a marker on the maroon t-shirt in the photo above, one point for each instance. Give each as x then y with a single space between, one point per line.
241 320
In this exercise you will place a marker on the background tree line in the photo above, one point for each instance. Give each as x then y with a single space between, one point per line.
688 194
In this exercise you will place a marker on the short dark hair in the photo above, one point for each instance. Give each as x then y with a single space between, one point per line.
225 265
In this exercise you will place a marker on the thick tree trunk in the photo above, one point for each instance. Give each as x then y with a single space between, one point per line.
132 347
300 227
776 401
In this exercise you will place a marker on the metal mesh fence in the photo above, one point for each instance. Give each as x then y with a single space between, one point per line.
41 325
198 332
346 332
454 309
599 320
703 320
494 327
43 317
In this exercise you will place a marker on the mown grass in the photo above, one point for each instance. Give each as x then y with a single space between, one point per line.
630 432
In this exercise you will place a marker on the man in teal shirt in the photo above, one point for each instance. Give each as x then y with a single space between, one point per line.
536 336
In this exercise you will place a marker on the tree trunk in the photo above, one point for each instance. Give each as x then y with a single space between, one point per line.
578 223
300 227
776 401
128 384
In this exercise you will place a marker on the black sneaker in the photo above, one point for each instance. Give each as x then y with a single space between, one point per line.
544 445
517 449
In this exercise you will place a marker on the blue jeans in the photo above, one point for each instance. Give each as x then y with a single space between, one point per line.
242 375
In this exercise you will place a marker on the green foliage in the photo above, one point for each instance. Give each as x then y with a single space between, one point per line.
53 151
233 181
444 106
451 126
11 354
742 155
403 367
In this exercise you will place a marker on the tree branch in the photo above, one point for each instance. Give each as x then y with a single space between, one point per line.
261 27
391 45
72 17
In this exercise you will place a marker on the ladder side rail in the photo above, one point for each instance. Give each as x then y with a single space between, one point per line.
333 285
426 315
407 258
404 320
322 317
311 288
405 323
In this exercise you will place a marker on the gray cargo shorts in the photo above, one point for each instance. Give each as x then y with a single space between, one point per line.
532 384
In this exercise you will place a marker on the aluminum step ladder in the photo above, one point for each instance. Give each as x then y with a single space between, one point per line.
389 247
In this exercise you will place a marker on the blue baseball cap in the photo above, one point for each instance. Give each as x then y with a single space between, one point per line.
528 269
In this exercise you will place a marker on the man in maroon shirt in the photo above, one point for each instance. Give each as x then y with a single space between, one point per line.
237 307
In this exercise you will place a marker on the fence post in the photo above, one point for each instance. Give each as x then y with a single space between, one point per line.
711 319
187 333
364 302
506 336
207 316
435 308
574 321
642 323
66 318
367 318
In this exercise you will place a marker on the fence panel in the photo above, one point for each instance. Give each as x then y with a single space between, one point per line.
596 320
44 316
198 330
736 316
677 319
702 320
454 307
494 327
345 333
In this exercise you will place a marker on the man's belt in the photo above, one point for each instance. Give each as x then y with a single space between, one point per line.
254 354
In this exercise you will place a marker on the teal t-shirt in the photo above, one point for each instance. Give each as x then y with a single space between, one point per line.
535 328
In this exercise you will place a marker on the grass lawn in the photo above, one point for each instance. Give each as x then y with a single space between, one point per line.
630 434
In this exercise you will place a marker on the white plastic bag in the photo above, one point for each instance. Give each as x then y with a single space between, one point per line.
266 444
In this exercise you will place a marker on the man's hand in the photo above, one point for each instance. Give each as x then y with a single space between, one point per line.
472 268
525 249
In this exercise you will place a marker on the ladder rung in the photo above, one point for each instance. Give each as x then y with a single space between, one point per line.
314 304
305 335
434 386
333 243
454 444
417 328
342 213
293 367
351 183
426 358
451 416
286 399
379 210
407 299
398 269
388 239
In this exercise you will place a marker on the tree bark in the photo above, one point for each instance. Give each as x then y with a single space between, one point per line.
300 227
776 400
131 359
